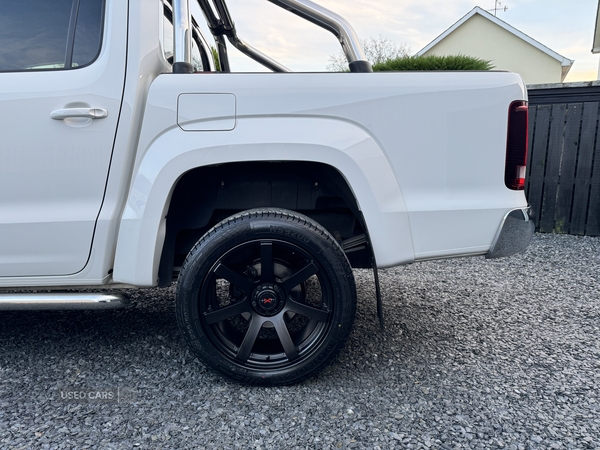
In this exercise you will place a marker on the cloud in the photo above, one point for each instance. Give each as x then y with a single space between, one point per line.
285 37
565 27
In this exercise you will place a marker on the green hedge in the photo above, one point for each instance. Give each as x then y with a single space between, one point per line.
216 60
434 62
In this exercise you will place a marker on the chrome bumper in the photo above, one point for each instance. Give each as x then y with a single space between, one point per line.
514 235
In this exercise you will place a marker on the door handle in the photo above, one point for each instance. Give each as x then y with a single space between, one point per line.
86 113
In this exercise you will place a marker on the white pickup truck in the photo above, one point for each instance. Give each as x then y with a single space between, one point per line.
128 160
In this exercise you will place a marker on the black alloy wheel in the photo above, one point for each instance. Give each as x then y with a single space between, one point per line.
266 297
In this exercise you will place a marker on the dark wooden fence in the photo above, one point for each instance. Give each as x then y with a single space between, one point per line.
563 180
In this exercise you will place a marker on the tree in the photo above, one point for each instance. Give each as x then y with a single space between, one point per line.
377 51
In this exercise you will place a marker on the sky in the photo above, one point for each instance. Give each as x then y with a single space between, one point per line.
565 26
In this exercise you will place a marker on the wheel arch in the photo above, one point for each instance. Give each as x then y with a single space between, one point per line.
368 182
206 195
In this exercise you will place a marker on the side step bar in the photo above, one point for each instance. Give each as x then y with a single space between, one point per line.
61 301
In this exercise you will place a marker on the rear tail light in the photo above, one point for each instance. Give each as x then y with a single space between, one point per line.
516 146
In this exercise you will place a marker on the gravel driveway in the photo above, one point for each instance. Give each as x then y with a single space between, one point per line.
476 354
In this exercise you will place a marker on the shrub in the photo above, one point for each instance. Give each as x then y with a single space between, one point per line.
434 62
215 56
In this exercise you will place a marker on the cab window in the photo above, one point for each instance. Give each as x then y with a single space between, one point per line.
49 35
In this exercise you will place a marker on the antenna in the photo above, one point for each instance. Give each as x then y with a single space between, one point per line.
498 7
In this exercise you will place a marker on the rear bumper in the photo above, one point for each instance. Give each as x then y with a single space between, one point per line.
514 235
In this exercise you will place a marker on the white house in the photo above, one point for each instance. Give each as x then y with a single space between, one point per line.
483 35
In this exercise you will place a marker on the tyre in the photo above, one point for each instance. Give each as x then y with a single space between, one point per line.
266 297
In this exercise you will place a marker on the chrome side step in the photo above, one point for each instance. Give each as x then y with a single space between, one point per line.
61 301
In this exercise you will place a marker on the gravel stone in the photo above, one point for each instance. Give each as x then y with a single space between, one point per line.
477 354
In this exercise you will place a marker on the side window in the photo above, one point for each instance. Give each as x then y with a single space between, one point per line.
49 35
88 32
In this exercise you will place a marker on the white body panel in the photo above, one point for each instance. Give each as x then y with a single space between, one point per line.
134 27
53 172
422 152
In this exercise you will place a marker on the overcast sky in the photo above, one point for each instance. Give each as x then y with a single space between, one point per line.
565 26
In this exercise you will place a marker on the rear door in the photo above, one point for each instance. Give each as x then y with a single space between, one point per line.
62 67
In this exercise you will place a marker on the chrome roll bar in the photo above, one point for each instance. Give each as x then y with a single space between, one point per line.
333 23
223 26
182 37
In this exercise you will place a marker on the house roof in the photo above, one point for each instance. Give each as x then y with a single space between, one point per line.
596 47
565 62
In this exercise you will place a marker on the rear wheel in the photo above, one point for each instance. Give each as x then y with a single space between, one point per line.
266 296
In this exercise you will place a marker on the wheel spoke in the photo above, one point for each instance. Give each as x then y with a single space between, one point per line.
302 275
256 324
227 312
307 311
239 281
266 262
284 336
